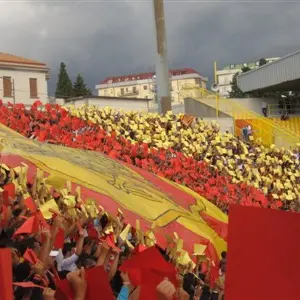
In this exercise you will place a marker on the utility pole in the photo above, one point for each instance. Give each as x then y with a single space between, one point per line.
217 92
162 70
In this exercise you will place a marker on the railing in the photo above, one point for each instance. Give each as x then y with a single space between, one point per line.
262 127
284 109
131 93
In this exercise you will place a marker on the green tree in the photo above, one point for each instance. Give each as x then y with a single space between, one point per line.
245 69
79 87
64 84
262 62
236 92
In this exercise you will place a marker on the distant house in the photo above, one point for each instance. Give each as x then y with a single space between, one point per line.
143 85
22 80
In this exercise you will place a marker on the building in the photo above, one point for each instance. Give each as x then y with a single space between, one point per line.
143 85
119 103
22 80
225 75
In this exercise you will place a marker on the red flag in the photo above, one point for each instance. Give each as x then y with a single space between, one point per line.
9 192
153 269
30 256
28 284
31 225
6 291
263 249
97 281
59 239
30 204
93 233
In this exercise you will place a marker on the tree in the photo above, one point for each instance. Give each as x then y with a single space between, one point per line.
245 69
79 87
262 62
236 92
64 84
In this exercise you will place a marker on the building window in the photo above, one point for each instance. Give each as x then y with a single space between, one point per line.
122 91
145 87
134 89
33 87
126 89
7 86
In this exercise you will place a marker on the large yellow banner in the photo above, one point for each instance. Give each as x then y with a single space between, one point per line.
115 184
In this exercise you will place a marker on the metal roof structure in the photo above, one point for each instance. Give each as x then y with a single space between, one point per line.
280 75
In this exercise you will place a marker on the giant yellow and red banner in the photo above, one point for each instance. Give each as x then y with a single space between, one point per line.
141 195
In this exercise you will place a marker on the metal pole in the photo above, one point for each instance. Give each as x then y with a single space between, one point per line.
217 93
162 71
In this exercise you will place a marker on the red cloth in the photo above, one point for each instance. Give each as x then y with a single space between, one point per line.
263 250
6 291
97 286
9 192
59 239
30 256
30 204
147 269
31 225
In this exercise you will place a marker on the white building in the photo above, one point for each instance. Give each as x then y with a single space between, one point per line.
225 75
143 85
22 80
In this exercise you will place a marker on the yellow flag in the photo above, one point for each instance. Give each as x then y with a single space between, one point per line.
199 249
57 182
123 235
46 206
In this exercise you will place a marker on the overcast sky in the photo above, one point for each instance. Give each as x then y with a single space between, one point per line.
106 38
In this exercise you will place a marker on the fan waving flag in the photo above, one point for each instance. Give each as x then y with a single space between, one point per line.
156 202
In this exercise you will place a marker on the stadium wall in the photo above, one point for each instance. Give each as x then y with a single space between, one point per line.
201 110
126 104
254 104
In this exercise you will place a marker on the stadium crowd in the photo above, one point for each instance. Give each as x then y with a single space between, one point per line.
65 248
272 170
218 166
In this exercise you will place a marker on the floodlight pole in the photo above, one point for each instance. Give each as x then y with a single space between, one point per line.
162 71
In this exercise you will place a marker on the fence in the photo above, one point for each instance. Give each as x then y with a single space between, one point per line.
262 127
277 110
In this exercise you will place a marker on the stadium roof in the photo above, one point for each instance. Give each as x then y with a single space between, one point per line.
280 75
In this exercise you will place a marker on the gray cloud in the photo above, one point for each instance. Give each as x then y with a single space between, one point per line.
100 39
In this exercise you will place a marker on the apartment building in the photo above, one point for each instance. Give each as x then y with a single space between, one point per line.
143 85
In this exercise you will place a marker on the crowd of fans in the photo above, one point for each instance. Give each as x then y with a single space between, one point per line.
272 170
55 125
218 166
65 248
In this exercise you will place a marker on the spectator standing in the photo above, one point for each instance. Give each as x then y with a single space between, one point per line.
264 107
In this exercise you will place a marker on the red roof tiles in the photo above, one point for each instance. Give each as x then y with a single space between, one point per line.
143 76
13 59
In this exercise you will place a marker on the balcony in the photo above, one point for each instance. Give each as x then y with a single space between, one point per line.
129 93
